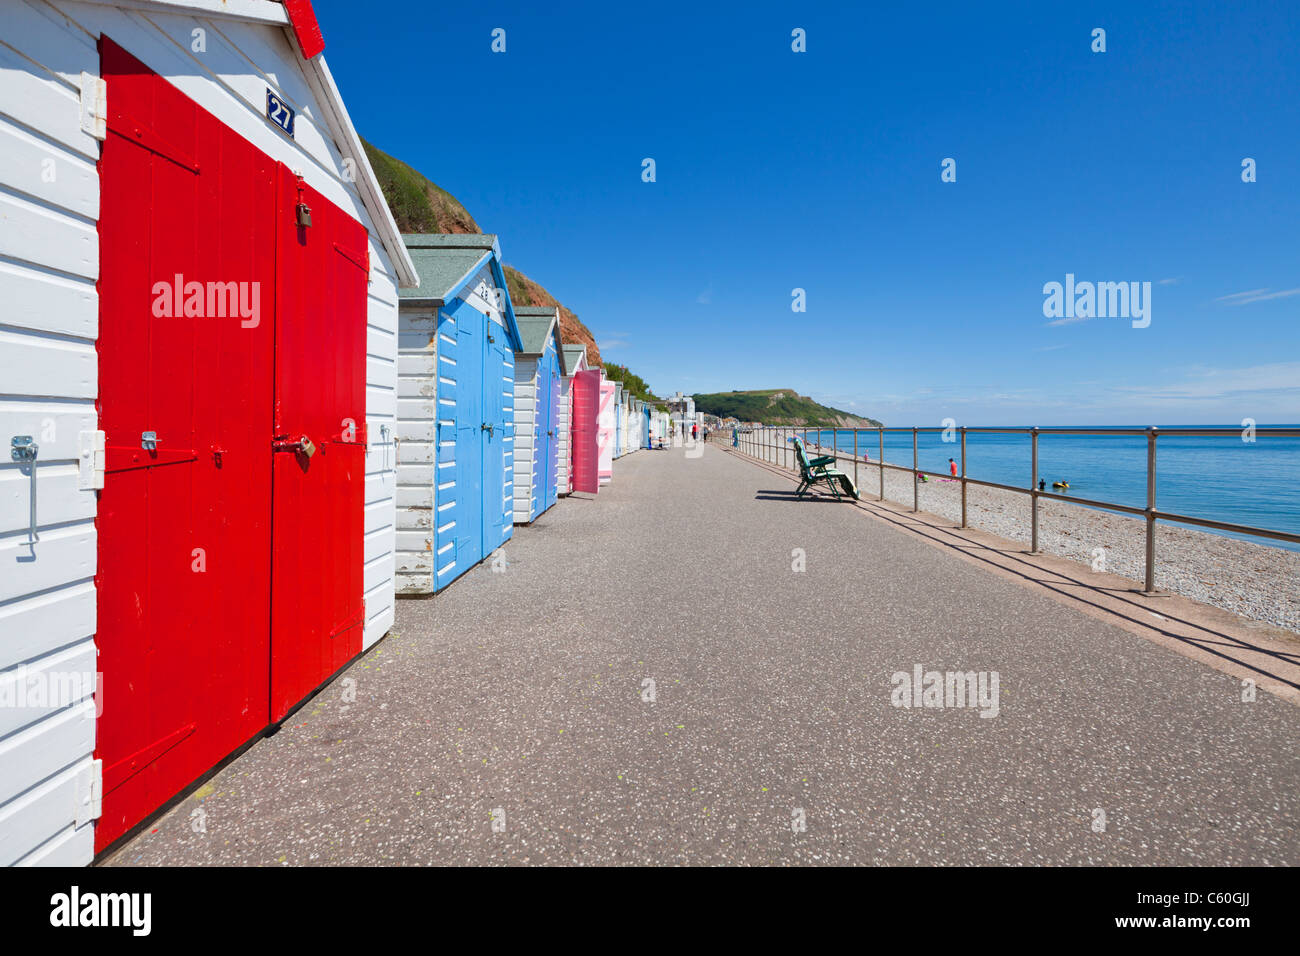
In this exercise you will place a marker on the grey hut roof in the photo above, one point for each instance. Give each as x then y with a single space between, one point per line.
572 353
445 261
535 324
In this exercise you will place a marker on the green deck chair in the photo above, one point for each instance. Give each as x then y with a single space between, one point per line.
818 469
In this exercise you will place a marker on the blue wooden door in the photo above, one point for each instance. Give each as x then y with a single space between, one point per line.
498 359
470 435
556 383
547 440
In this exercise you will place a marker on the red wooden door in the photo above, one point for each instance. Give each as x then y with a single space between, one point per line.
320 393
229 580
183 579
586 412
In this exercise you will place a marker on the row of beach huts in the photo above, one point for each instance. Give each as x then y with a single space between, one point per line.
243 411
497 417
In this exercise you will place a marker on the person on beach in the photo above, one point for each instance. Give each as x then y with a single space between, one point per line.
952 467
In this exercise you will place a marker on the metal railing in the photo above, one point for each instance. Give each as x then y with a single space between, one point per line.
771 443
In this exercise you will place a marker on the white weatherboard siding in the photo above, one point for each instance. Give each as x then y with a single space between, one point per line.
563 418
525 390
418 471
49 263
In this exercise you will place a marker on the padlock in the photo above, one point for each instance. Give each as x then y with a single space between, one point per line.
308 448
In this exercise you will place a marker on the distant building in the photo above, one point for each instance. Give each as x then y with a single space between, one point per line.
680 404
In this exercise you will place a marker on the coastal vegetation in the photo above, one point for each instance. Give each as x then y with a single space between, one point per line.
778 406
632 383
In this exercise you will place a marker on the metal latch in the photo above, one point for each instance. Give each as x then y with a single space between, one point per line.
23 448
485 427
302 445
149 441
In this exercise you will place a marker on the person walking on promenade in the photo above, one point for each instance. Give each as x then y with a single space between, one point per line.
695 433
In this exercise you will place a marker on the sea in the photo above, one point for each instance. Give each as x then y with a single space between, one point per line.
1254 483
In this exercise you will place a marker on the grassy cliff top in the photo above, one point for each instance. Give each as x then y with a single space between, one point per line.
778 406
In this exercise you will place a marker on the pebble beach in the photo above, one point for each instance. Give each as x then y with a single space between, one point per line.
1256 581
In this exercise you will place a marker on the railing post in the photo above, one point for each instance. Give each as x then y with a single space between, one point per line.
963 476
1033 494
882 462
855 458
1151 511
916 482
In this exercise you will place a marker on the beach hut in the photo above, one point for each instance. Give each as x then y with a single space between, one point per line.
619 416
457 338
537 399
200 358
645 424
633 425
605 432
629 424
574 361
656 427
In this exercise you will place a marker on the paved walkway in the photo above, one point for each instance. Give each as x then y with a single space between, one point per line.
522 691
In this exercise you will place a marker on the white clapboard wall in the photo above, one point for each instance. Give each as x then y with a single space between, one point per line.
563 425
525 464
49 262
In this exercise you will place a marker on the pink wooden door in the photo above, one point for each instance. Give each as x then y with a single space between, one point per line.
584 469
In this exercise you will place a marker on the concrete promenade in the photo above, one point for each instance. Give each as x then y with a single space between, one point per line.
508 720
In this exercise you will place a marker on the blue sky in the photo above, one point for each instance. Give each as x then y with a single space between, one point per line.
821 170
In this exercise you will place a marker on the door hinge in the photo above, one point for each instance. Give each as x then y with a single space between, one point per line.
94 105
91 461
90 793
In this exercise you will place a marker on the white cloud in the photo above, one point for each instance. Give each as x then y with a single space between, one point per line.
1256 295
1214 384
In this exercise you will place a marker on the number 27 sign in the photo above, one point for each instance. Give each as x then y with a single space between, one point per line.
279 112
